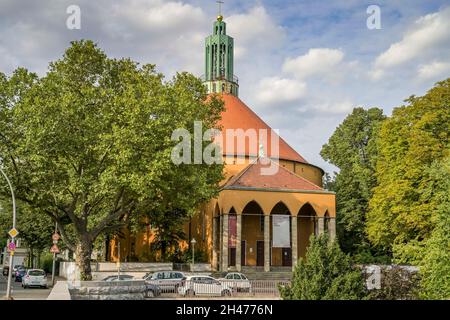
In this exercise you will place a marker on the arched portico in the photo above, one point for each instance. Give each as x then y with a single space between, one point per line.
307 225
280 235
247 235
252 239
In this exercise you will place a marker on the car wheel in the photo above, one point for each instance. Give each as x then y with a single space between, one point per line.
190 293
226 293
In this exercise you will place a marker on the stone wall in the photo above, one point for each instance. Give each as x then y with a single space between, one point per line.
69 270
105 290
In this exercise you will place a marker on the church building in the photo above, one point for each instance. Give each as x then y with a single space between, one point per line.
258 221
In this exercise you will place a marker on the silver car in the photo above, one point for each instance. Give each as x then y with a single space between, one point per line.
34 278
237 281
204 286
167 281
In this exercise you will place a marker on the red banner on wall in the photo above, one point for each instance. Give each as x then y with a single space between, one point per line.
232 219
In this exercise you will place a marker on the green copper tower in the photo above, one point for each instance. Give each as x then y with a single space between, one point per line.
219 48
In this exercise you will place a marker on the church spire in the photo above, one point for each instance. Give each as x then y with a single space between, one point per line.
219 48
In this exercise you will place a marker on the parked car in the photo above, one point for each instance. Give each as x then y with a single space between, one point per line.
5 271
167 281
19 274
152 290
34 278
203 285
237 281
122 277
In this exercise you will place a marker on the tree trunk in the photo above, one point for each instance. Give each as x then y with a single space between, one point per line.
38 259
83 259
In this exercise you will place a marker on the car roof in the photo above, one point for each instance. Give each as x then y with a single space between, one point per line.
199 276
35 270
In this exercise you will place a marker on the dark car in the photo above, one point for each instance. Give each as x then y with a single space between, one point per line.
152 290
5 271
20 273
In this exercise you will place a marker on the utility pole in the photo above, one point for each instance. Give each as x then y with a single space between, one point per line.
118 262
13 233
193 242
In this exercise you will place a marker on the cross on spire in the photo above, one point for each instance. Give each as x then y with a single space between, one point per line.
219 3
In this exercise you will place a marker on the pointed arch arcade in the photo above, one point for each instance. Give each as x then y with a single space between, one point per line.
280 254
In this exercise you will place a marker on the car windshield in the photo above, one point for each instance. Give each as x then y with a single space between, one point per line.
36 273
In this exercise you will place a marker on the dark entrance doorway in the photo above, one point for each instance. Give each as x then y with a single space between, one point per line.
286 257
232 259
260 253
243 248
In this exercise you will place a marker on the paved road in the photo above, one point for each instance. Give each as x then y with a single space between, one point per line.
19 293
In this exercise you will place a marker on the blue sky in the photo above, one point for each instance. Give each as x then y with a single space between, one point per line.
302 65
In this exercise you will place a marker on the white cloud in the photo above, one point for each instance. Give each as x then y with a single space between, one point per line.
273 90
318 61
428 34
159 16
254 31
433 70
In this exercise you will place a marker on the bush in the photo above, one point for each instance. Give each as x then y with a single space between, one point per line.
397 283
325 274
47 262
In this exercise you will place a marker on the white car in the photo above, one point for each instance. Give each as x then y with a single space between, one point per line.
35 278
237 281
203 285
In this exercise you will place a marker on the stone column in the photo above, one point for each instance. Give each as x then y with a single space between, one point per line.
238 241
332 228
220 235
225 243
320 229
214 243
294 240
266 243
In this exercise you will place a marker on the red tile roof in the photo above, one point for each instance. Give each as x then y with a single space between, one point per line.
251 177
238 115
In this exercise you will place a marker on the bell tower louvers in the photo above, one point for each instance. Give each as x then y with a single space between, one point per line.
219 48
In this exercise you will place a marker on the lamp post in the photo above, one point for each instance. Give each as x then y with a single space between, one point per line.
12 233
193 242
55 238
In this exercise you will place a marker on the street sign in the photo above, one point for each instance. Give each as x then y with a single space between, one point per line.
54 249
55 237
13 232
11 246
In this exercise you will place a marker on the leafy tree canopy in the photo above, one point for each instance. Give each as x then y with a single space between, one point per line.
405 200
351 148
89 144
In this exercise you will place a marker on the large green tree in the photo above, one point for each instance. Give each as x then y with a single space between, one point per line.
351 148
89 144
434 260
404 201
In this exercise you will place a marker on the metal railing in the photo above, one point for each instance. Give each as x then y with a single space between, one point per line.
222 288
219 77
